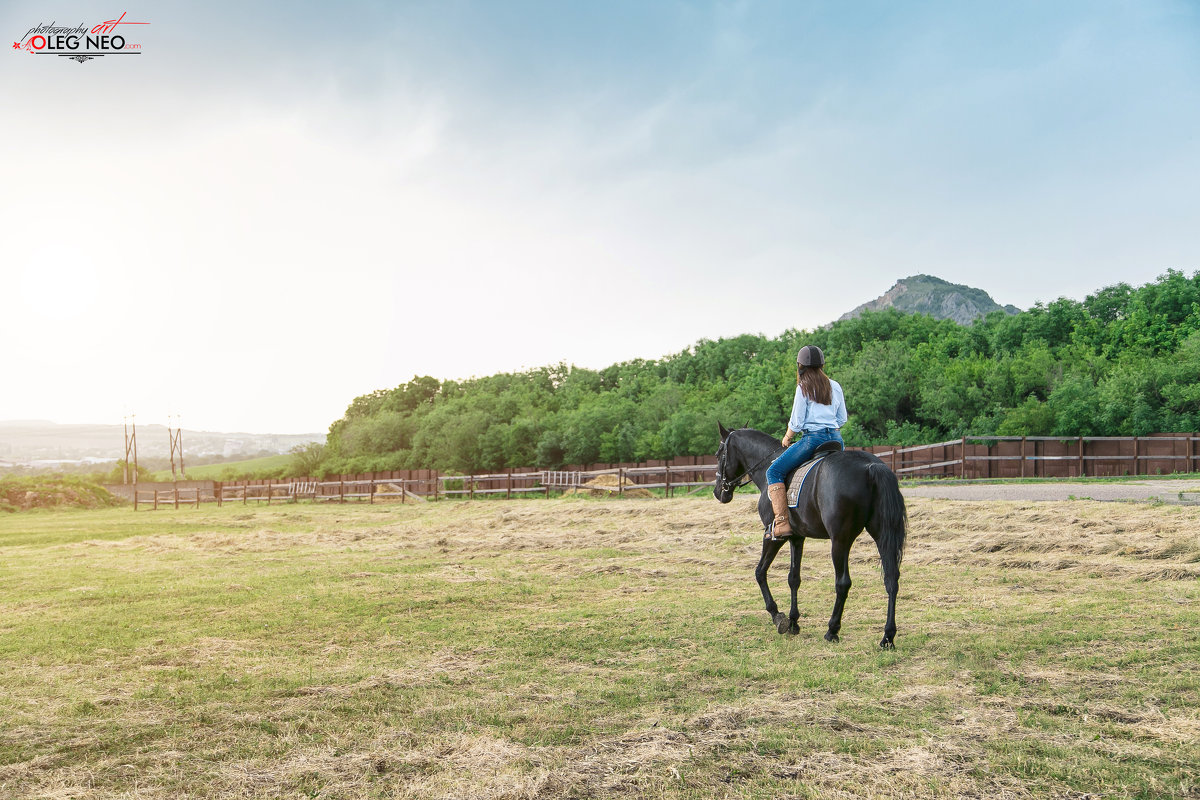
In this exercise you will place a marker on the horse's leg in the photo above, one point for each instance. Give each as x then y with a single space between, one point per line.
794 581
889 630
841 569
891 582
769 551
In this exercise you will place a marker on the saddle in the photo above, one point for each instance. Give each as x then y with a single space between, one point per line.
795 481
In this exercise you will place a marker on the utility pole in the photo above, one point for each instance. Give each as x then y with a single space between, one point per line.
131 446
176 437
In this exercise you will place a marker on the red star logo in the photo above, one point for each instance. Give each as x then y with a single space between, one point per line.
16 45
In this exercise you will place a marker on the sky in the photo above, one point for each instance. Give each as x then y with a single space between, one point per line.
276 207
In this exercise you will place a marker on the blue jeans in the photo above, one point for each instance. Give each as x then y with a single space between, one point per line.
799 452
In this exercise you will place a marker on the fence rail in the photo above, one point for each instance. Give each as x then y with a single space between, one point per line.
1047 456
965 457
420 486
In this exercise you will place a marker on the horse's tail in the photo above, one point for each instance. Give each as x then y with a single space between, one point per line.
888 523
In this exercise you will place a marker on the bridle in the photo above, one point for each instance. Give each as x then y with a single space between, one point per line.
728 485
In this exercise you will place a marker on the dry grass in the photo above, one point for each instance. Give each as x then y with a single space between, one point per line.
573 648
1127 540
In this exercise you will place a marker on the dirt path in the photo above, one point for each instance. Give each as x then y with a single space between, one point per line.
1186 492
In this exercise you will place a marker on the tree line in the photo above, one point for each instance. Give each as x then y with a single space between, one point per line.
1123 362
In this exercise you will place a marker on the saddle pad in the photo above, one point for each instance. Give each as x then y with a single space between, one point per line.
796 484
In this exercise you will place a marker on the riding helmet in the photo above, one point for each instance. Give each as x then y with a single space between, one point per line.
810 356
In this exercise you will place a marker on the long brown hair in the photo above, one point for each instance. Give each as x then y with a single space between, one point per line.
815 384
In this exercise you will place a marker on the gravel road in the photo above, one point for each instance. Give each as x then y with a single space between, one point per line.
1168 491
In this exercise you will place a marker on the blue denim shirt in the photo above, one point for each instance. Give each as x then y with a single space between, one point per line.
810 416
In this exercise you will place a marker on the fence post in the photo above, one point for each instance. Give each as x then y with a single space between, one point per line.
436 484
270 490
1022 456
1081 456
667 480
175 488
155 498
471 487
1137 452
217 486
508 485
620 481
963 453
341 488
371 491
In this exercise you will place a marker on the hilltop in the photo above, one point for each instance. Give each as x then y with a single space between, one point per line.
926 294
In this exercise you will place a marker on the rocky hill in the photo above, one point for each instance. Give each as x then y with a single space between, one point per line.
925 294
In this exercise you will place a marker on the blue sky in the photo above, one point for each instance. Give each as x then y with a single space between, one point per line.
369 191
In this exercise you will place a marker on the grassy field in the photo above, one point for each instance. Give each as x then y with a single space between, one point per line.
593 648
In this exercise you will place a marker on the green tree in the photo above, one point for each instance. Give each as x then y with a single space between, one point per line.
306 460
117 474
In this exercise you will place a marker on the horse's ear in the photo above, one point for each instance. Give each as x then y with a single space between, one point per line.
724 431
747 425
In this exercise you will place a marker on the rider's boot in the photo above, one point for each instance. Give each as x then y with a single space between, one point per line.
782 526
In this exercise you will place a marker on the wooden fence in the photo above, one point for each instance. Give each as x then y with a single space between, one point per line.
978 457
683 474
970 457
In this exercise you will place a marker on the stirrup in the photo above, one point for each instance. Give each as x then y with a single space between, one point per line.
769 534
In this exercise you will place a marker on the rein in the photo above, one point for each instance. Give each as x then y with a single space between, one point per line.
730 484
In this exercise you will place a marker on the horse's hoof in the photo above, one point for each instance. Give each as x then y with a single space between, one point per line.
793 629
832 637
782 623
887 644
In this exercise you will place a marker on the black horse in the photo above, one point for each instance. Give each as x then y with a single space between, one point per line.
850 490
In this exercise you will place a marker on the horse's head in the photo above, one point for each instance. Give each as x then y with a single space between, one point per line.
728 463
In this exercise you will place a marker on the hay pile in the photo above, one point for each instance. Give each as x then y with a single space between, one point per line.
613 482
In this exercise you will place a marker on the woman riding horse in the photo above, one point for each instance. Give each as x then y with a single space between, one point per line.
850 491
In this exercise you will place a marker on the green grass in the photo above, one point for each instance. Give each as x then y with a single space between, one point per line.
51 491
233 470
590 649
